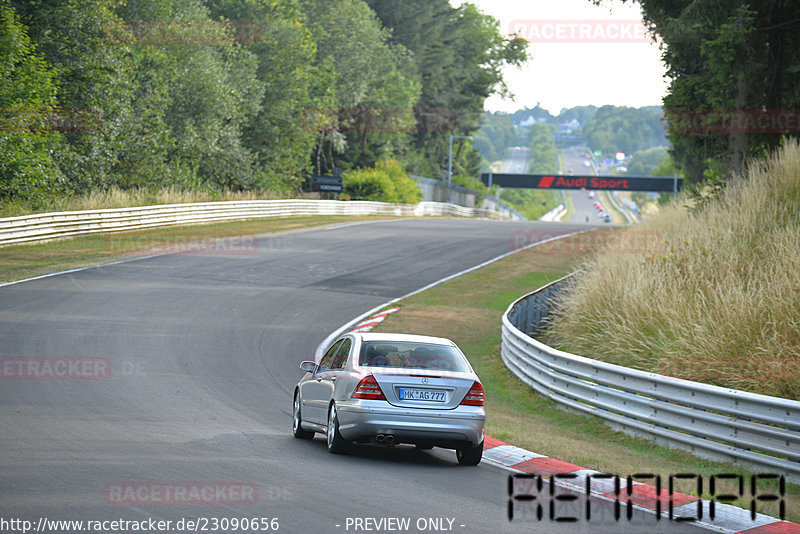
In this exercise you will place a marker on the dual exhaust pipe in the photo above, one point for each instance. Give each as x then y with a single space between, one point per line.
385 439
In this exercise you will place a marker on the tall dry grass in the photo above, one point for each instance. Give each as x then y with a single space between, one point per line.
719 302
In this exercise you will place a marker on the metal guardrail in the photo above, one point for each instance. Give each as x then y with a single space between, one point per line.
759 431
556 213
46 226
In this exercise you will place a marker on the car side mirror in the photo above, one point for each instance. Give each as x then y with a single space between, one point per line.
308 367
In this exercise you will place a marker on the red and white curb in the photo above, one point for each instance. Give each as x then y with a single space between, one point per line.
368 324
727 518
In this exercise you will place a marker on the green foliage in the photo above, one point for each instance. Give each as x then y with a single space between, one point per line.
386 182
530 202
237 95
458 53
467 161
374 90
543 154
496 135
645 162
281 133
27 98
725 57
582 114
543 159
614 129
666 167
91 76
536 113
708 191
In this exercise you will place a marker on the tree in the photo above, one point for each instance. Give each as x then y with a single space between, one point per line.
543 152
283 132
375 85
459 54
496 135
91 76
614 129
199 88
27 99
643 162
727 61
582 114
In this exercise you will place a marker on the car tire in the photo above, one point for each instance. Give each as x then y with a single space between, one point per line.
297 429
336 443
470 455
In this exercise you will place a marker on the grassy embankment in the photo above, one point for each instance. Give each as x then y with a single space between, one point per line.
569 206
616 214
468 310
718 302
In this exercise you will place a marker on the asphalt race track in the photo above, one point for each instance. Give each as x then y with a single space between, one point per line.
191 363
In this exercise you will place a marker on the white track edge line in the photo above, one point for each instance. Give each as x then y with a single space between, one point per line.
137 258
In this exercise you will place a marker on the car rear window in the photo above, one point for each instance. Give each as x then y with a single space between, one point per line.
408 355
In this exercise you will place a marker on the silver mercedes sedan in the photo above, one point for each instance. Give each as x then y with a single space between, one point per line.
390 389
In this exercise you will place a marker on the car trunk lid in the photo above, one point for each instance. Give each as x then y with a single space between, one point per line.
420 389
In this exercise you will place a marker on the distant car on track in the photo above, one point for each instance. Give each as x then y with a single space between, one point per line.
390 389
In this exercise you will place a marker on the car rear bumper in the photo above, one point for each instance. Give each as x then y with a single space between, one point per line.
445 428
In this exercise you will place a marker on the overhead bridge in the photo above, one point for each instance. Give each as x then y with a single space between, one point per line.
655 184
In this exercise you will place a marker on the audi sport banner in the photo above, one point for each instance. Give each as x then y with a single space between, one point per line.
552 181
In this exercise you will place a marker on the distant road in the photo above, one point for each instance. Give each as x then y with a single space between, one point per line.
517 160
583 206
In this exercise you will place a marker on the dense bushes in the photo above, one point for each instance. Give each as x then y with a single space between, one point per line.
212 96
387 182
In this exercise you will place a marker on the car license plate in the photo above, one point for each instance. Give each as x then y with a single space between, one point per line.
430 395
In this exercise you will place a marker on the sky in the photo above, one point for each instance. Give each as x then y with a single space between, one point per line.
585 54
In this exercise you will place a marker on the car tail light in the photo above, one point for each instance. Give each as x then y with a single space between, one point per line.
475 396
368 388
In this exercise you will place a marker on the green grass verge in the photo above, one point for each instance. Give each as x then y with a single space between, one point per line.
616 215
570 207
468 310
